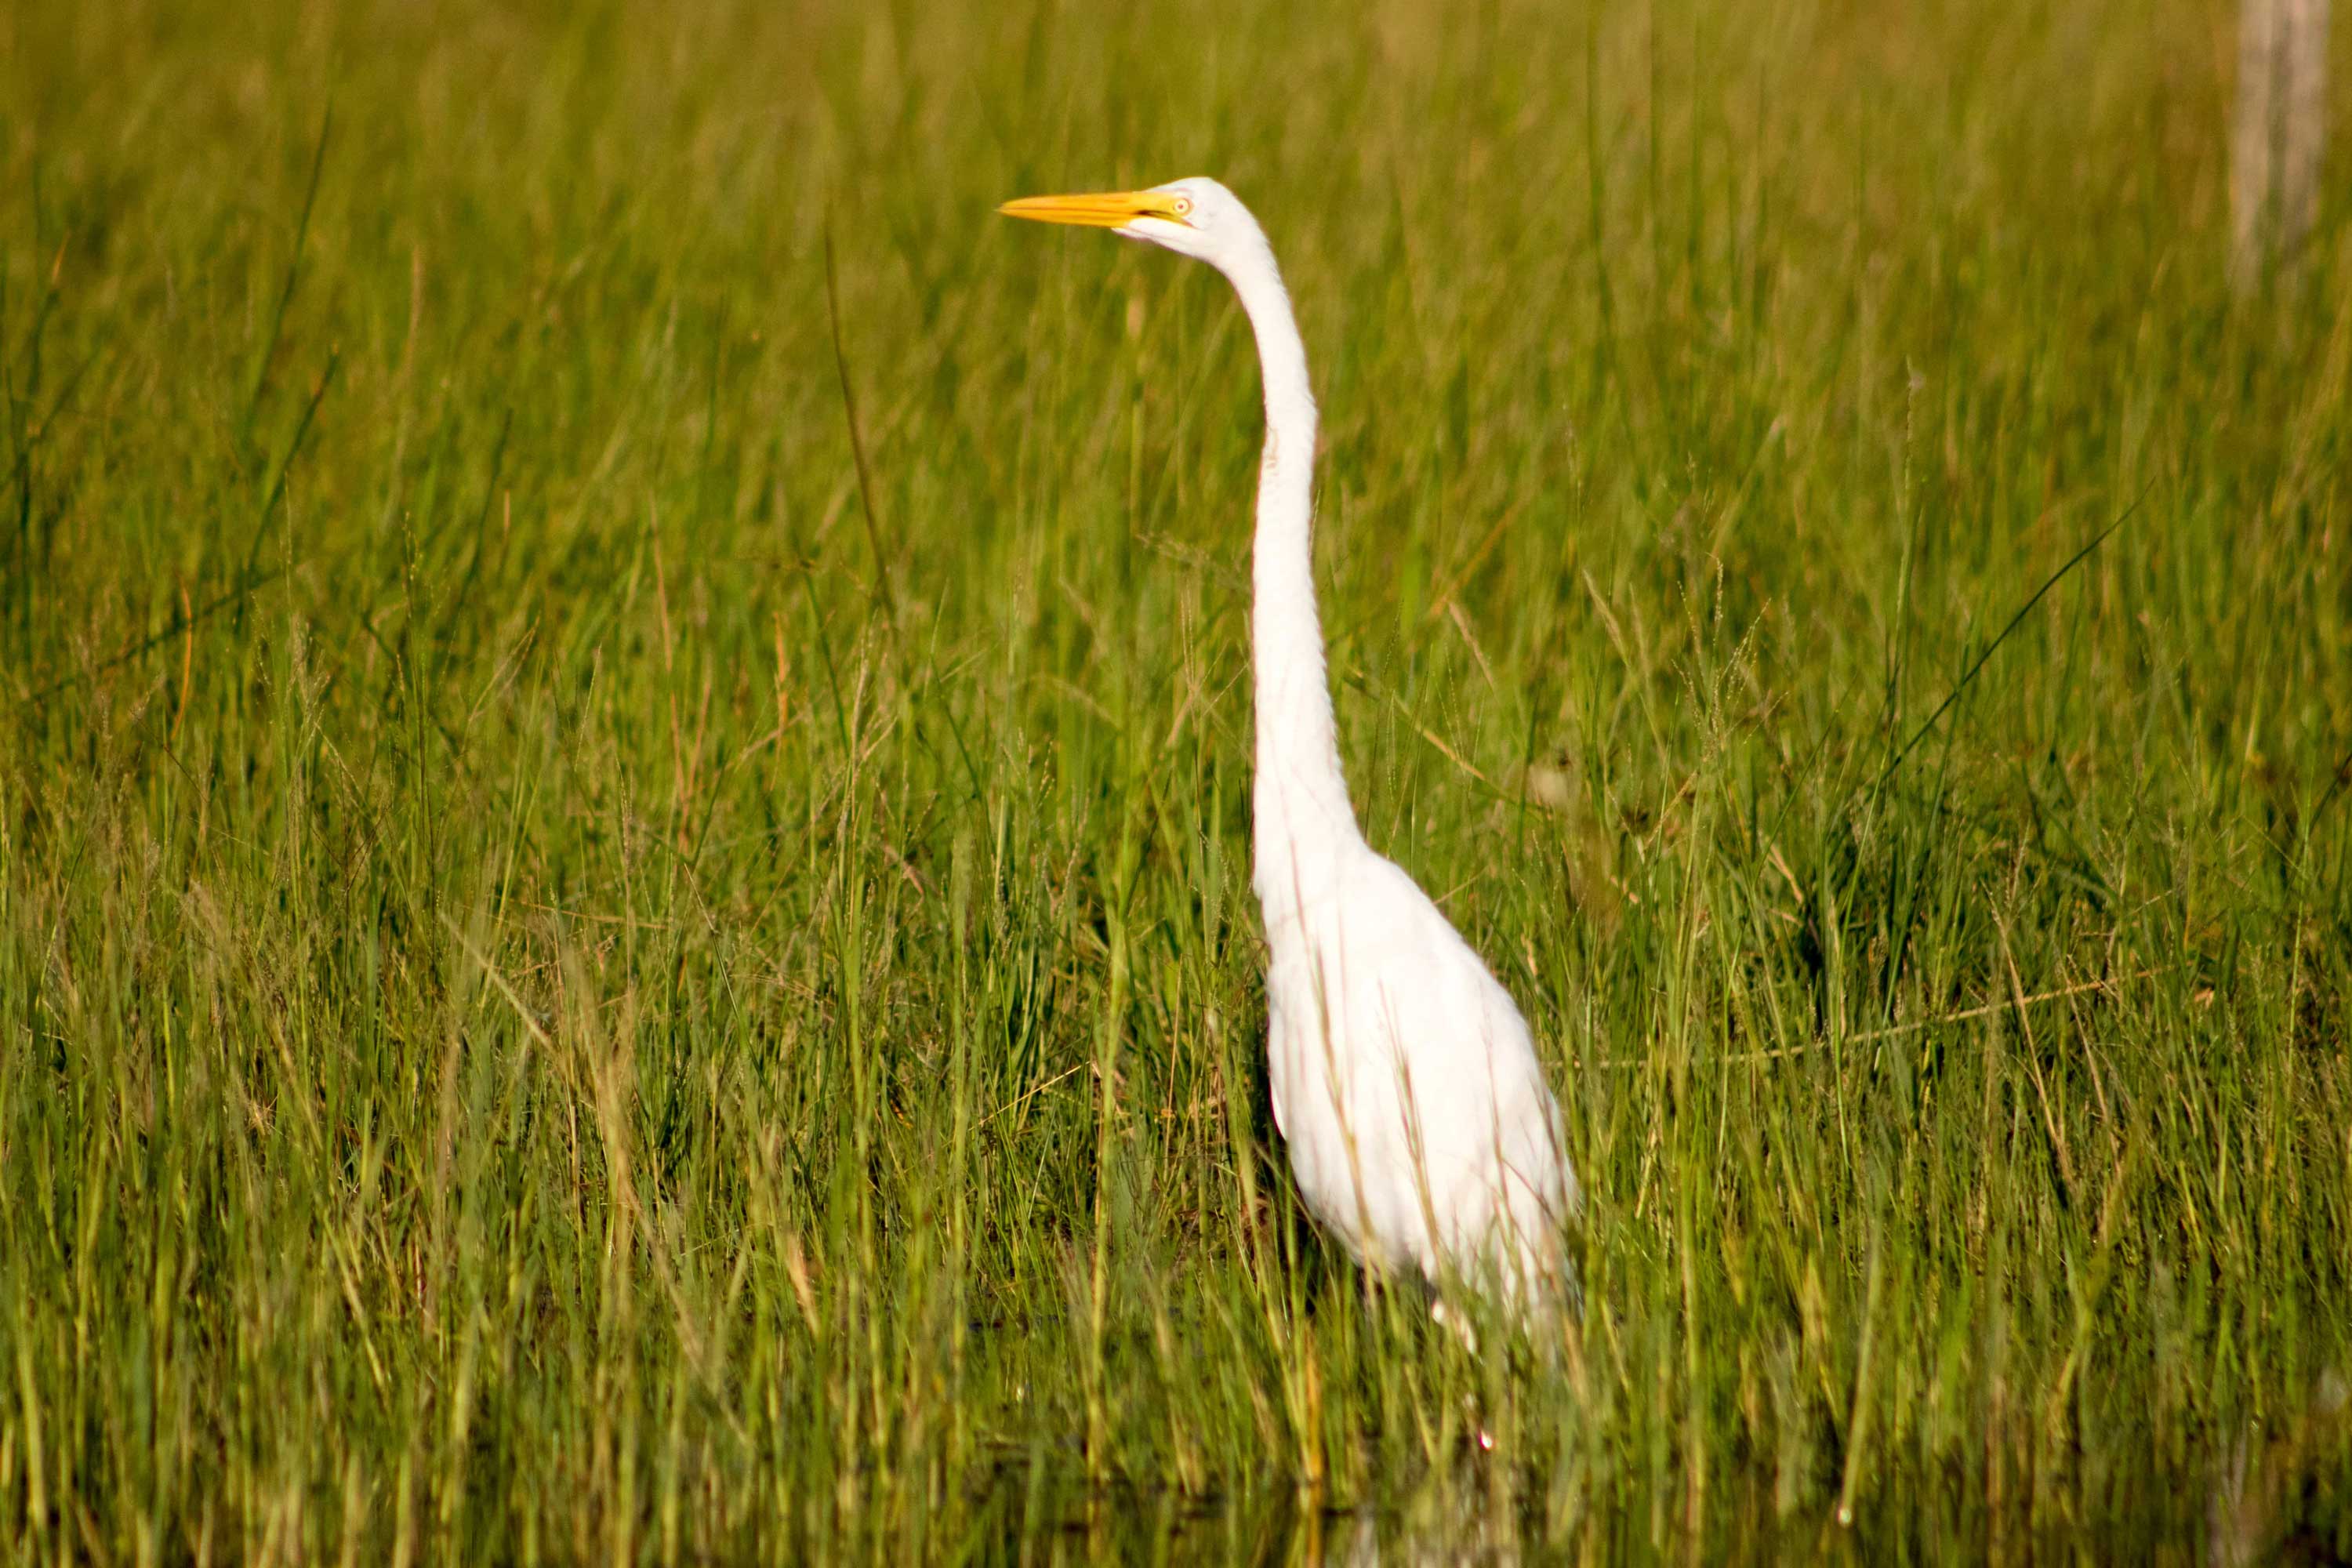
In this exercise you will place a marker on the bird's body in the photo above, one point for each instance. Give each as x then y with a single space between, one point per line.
1419 1127
1419 1124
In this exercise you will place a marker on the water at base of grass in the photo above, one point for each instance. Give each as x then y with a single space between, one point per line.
2253 1507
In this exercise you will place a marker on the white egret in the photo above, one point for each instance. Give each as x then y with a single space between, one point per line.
1419 1127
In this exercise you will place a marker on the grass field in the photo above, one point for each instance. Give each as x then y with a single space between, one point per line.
576 983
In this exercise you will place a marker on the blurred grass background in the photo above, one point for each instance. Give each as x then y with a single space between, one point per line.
569 991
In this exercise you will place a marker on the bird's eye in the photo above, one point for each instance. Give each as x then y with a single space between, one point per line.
1184 206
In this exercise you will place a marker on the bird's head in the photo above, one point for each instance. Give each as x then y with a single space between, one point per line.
1196 217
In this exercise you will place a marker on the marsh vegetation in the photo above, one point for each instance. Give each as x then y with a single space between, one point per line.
589 971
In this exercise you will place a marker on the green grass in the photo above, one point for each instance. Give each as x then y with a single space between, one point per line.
566 992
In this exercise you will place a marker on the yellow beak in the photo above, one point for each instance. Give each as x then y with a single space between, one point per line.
1112 209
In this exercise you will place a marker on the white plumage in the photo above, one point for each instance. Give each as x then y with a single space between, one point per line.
1419 1124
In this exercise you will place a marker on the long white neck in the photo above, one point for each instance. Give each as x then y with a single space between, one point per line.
1304 821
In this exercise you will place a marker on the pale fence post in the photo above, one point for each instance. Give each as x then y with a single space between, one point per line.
2280 126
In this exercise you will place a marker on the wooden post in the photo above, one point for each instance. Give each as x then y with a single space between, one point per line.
2280 126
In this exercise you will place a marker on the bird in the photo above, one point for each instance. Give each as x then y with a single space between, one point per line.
1420 1131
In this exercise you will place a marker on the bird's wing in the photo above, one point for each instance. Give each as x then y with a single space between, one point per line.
1481 1100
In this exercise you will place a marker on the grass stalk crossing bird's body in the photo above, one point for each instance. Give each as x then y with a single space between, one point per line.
1419 1127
